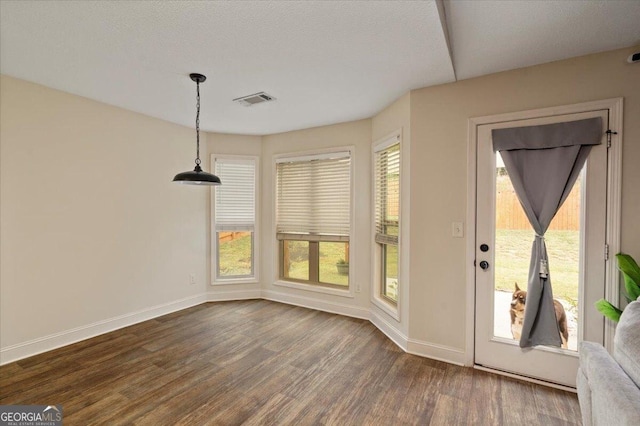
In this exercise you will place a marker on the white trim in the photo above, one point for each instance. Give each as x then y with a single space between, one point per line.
321 155
582 263
57 340
388 308
614 105
525 378
404 241
551 349
312 154
232 281
349 150
438 352
53 341
224 296
470 312
316 288
255 277
389 330
614 214
386 141
611 104
417 347
354 284
317 304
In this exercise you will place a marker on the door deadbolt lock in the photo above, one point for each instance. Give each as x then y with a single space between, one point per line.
484 265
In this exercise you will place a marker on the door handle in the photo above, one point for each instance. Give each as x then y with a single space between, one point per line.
484 265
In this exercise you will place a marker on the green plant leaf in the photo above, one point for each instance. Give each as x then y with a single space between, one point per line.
608 310
633 290
629 267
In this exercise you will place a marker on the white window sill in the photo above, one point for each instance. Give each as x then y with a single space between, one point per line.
233 281
315 288
387 308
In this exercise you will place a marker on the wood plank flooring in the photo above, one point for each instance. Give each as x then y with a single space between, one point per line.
263 363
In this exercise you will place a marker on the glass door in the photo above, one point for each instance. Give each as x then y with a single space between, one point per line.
575 244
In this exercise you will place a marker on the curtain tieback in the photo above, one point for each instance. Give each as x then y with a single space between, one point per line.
544 264
544 268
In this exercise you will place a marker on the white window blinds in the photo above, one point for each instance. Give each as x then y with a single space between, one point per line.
314 195
235 203
387 194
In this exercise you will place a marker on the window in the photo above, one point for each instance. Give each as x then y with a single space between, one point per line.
234 218
387 217
313 218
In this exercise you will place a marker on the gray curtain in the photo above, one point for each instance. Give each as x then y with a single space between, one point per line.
543 163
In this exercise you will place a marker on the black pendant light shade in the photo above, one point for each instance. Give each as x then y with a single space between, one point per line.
197 176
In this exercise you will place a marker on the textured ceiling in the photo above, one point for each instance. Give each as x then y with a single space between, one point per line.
491 36
325 62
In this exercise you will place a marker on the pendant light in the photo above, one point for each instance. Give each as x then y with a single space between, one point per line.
197 176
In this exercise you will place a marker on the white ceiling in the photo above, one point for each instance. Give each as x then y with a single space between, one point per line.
325 62
491 36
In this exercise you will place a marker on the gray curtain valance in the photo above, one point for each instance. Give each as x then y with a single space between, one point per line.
543 163
581 132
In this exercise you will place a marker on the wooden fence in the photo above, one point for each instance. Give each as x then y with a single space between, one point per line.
229 236
509 213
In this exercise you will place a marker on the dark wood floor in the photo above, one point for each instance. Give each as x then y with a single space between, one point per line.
264 363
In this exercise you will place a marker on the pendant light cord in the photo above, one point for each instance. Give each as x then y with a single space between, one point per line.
197 176
198 124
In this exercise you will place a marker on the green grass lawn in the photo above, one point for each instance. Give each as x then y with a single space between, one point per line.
235 256
330 255
513 253
391 278
235 259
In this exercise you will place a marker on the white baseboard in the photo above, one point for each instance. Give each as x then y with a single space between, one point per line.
53 341
418 347
57 340
223 296
389 330
437 352
320 305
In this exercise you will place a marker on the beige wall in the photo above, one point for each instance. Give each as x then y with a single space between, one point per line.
92 227
439 154
222 143
358 134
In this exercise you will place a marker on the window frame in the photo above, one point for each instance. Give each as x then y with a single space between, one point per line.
243 279
314 263
378 298
278 261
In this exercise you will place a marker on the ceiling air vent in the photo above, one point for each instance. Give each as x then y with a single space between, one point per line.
256 98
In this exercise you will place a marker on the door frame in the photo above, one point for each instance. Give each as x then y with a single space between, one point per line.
614 180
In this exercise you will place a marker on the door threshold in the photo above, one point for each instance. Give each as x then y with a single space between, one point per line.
526 378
